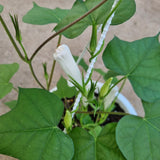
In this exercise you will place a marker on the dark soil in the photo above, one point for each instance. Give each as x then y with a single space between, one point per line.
111 118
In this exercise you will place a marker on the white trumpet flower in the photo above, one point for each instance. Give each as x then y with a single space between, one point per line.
110 97
64 57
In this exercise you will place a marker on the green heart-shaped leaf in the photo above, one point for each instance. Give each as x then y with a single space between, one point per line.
40 15
29 131
80 7
139 138
6 73
103 147
1 8
139 61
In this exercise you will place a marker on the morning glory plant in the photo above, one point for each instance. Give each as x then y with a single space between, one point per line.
72 120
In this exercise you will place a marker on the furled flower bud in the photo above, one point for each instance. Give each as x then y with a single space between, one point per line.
68 121
105 88
64 57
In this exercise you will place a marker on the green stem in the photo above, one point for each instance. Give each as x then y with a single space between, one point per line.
11 38
125 77
34 75
25 53
66 27
59 40
53 65
51 75
102 112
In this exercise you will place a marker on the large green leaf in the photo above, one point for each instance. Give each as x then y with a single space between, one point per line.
29 131
103 147
139 61
1 8
6 73
139 138
40 15
125 10
63 90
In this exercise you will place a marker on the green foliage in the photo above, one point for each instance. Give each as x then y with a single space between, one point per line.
11 104
97 17
63 90
138 138
6 73
41 16
1 8
139 61
103 147
30 132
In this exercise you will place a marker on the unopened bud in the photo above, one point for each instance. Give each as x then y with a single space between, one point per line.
105 88
68 121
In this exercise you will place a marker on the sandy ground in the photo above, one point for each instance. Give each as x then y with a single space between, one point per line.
146 22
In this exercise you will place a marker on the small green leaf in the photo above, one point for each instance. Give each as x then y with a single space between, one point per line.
1 8
139 61
41 16
30 132
6 73
96 131
63 90
11 104
139 138
103 147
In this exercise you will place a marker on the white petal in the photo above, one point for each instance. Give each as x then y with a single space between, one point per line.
64 57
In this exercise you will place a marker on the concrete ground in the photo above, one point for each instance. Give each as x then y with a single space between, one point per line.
146 22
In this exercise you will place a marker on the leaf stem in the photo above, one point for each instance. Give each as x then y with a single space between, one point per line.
34 75
66 27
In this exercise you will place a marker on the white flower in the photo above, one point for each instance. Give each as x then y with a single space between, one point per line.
110 97
64 57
